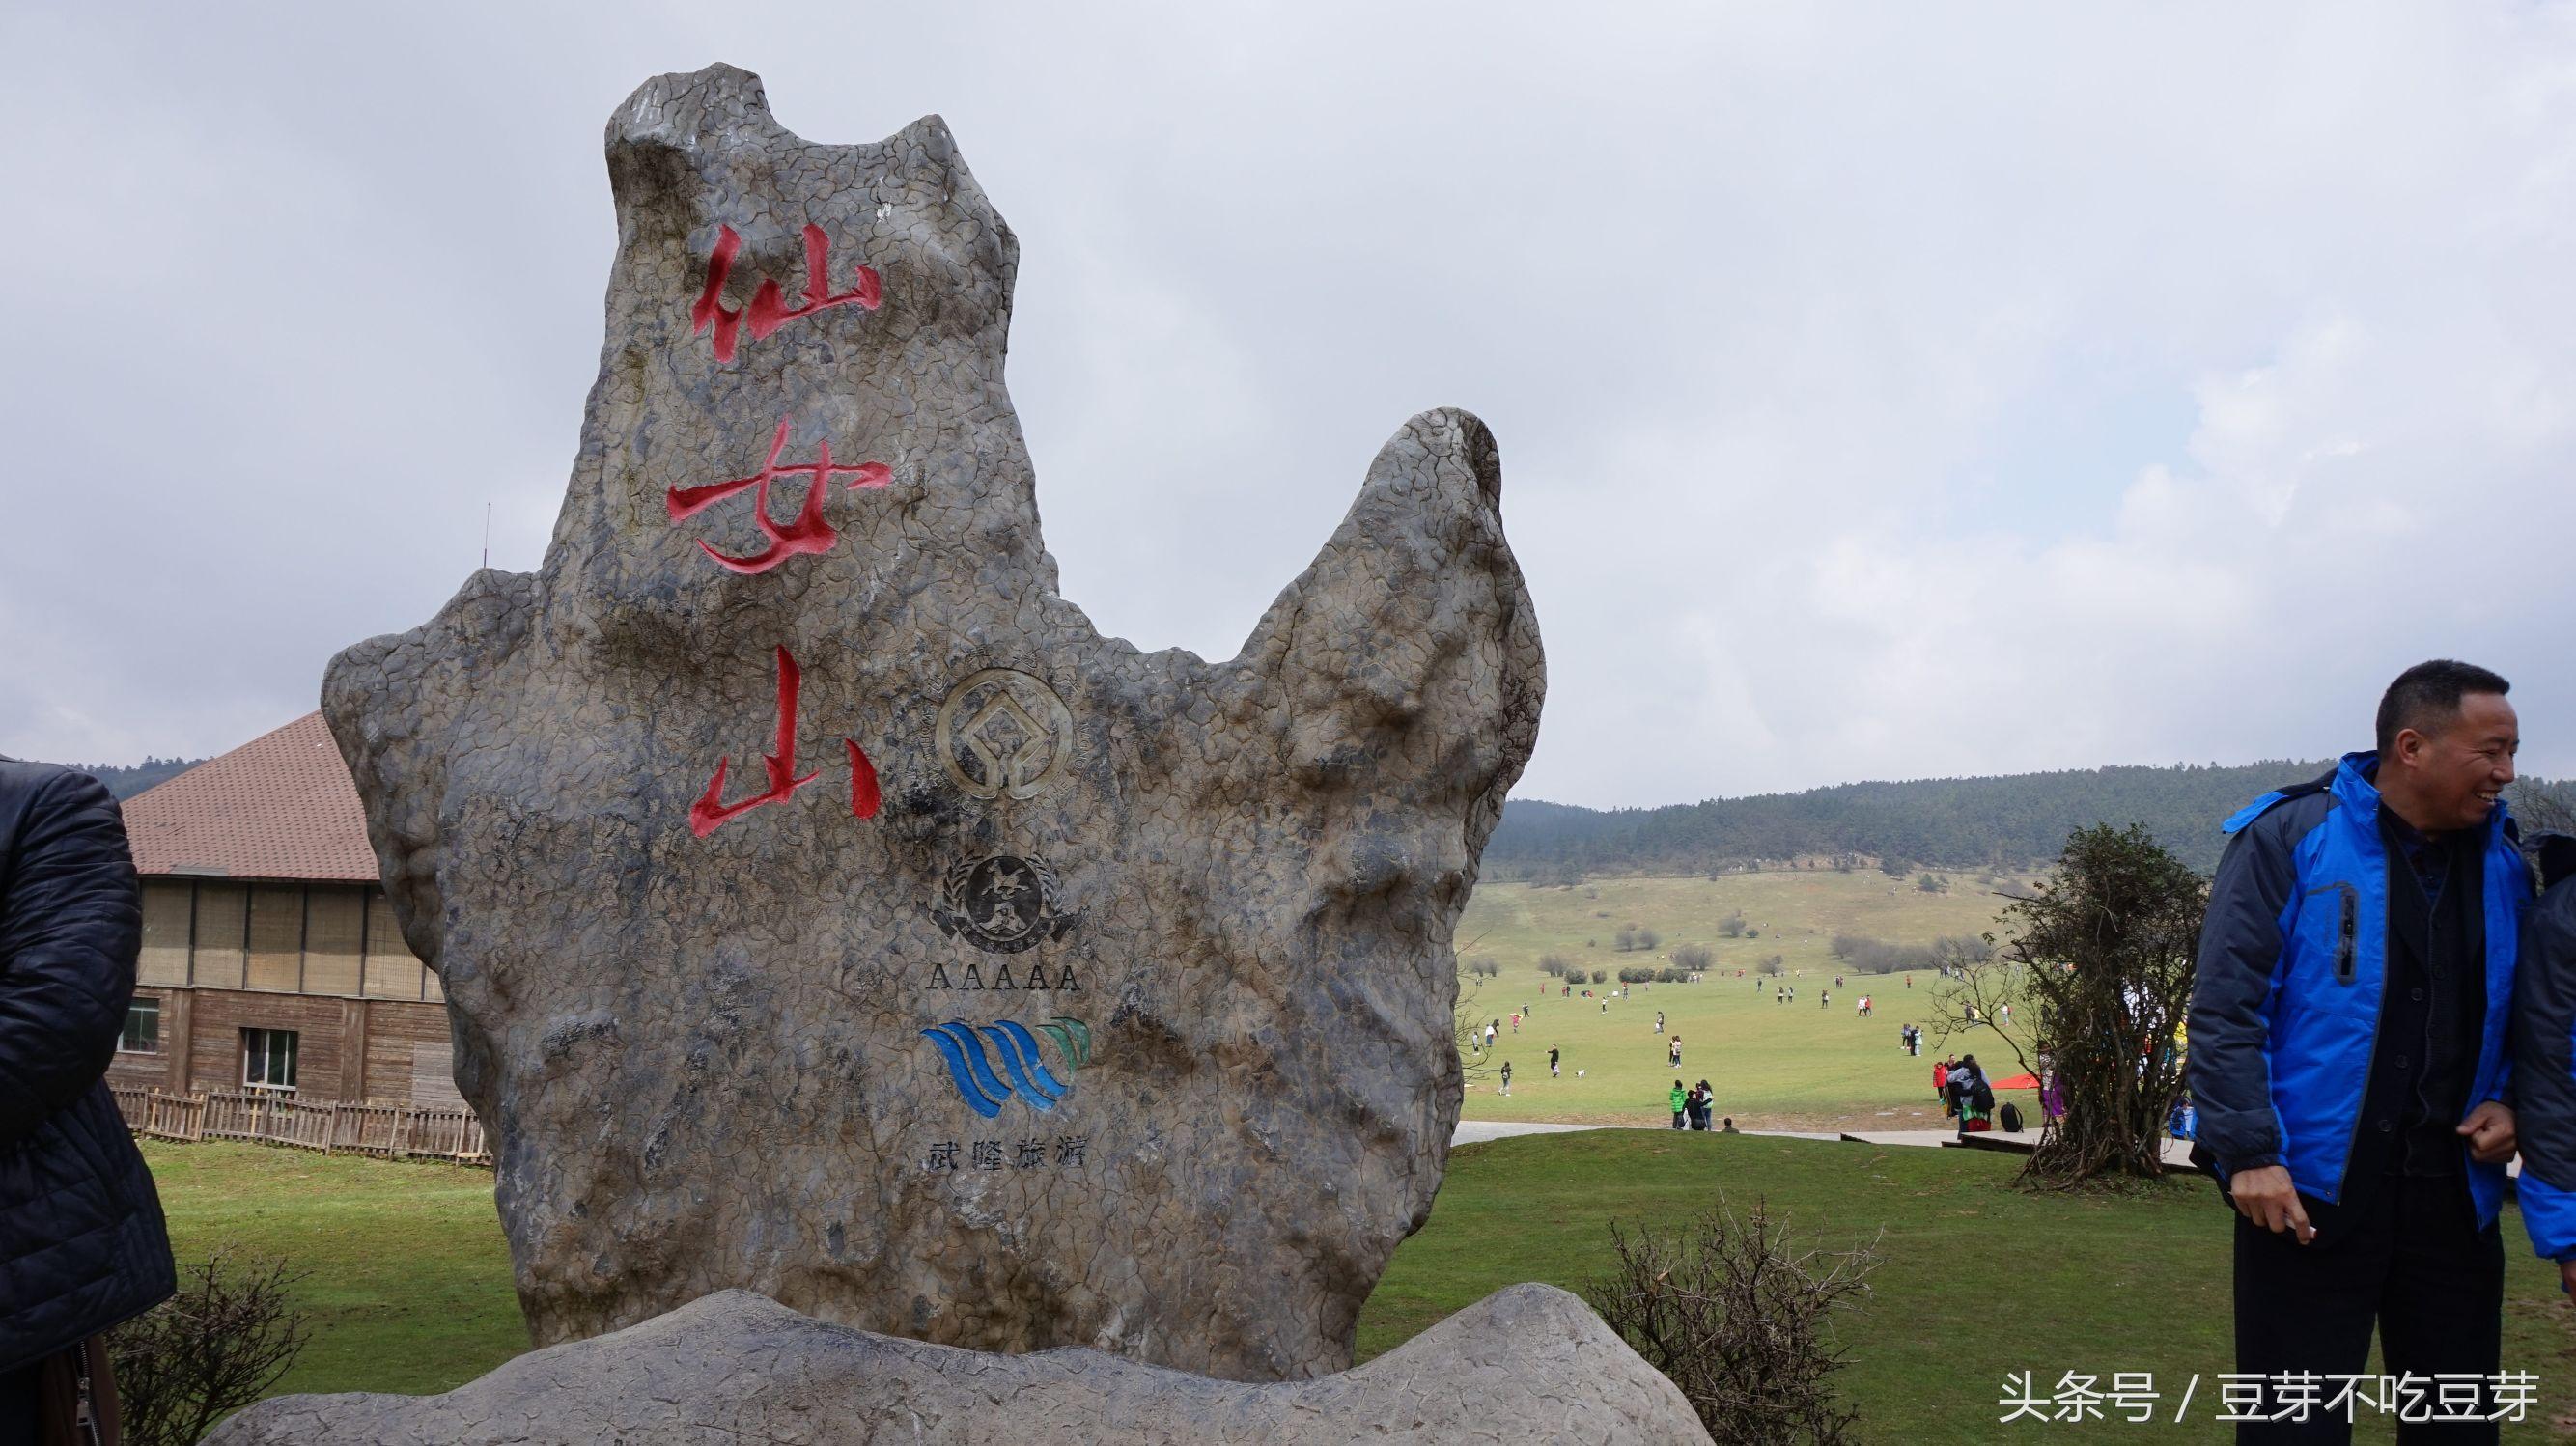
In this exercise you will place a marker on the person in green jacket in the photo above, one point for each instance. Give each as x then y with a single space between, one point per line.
1679 1097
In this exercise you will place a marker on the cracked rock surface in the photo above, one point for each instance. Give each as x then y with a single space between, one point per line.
826 909
1529 1364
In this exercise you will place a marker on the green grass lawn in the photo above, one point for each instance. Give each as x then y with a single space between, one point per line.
1978 1279
1802 1065
408 1278
409 1284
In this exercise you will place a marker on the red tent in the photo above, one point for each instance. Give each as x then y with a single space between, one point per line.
2018 1082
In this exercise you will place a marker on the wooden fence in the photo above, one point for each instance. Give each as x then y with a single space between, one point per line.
395 1132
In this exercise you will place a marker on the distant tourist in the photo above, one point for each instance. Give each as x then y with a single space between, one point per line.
1516 1024
1507 1078
1972 1098
1677 1052
1730 1127
1551 1062
1941 1079
1659 1021
1679 1098
82 1244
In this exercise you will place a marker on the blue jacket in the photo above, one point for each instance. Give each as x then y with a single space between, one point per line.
2293 961
2544 1042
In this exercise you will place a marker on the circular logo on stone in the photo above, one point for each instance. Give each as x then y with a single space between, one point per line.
1004 733
1003 904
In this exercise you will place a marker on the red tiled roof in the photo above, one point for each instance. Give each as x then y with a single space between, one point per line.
279 807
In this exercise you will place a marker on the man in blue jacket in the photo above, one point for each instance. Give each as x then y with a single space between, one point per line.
2348 1048
82 1246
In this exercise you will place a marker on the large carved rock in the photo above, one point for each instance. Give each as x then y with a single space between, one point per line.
825 908
1527 1366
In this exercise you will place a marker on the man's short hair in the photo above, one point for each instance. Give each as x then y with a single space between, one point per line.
2427 697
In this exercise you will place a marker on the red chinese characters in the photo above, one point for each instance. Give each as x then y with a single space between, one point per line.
711 812
769 309
807 531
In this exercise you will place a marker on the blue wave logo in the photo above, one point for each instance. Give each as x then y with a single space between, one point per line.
1022 1070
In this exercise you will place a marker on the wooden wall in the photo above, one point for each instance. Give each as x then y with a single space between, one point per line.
346 1049
335 939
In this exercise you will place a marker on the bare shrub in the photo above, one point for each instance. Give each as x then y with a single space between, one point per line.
1740 1319
208 1351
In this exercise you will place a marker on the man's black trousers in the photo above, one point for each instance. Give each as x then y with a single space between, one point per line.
2409 1260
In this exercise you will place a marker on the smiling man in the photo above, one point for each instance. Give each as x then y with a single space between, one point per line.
2348 1059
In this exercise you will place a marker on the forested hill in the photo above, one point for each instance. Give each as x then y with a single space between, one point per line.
127 781
1956 821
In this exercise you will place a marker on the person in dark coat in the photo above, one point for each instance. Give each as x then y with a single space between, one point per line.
82 1244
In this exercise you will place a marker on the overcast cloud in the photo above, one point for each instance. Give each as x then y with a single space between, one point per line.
1883 391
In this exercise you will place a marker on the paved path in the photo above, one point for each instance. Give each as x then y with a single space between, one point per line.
1470 1132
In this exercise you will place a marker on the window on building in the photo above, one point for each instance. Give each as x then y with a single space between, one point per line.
142 1028
268 1059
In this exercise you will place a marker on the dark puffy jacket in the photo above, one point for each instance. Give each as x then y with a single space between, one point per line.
2544 1045
82 1245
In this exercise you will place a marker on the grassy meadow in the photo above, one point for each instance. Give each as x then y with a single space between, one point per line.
408 1282
1977 1278
1803 1065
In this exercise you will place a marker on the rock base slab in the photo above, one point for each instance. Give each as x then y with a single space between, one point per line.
1526 1364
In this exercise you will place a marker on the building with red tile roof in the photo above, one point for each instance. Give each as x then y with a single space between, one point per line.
279 807
271 958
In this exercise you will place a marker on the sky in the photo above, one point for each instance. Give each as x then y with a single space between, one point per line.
1883 392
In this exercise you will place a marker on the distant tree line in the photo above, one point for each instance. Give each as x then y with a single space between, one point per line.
1900 828
1878 956
1556 967
125 782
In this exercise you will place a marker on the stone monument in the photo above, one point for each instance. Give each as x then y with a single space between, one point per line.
826 909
